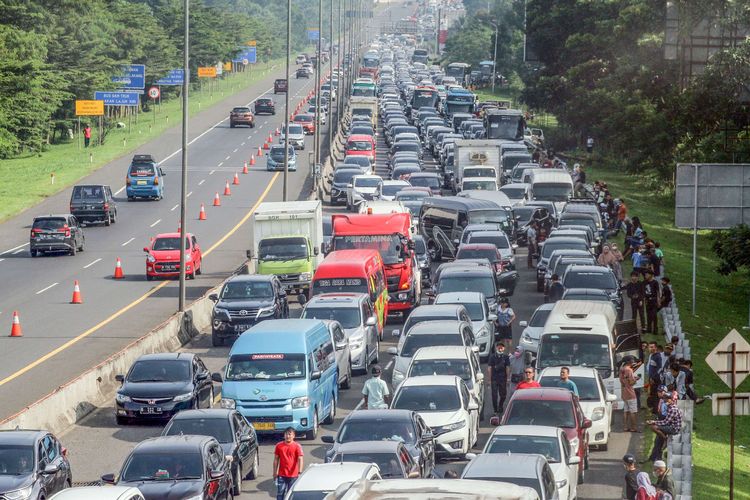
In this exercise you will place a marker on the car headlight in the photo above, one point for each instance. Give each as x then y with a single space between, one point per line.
122 398
356 342
227 404
526 339
574 445
598 413
302 402
483 332
21 494
305 276
219 310
403 296
454 426
266 311
183 397
150 258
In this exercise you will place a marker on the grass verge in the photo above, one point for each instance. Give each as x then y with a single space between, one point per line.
26 180
722 304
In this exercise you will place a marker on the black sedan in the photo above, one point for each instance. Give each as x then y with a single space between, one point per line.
159 385
171 467
33 464
387 425
246 299
235 435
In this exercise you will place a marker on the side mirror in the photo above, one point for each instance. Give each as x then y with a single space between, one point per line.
392 351
575 460
217 474
470 456
316 251
586 423
371 321
51 469
523 324
327 439
282 294
413 475
475 348
427 436
480 377
493 317
350 185
120 378
216 377
246 438
527 358
108 478
213 297
161 171
341 346
396 332
317 374
610 398
145 249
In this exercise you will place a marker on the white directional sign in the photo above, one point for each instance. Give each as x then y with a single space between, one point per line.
720 359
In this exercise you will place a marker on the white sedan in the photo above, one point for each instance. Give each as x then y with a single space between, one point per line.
595 401
550 442
447 406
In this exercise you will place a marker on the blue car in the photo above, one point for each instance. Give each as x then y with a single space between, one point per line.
145 178
276 159
283 373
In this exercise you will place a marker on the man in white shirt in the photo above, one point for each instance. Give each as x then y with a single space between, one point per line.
376 392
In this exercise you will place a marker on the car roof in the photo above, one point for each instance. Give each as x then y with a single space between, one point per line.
251 277
443 352
471 272
388 414
477 246
20 436
317 477
340 299
359 137
52 216
586 291
575 371
505 465
436 327
432 380
589 269
217 413
525 430
423 489
424 174
543 394
435 309
166 356
172 443
459 298
106 492
171 235
368 446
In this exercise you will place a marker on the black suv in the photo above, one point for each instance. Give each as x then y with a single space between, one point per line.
56 233
93 203
33 463
280 86
265 105
244 300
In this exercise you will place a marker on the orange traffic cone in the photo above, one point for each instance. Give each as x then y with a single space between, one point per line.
252 160
244 168
202 214
227 191
179 226
77 299
266 146
118 270
217 200
236 180
270 138
260 152
15 330
278 132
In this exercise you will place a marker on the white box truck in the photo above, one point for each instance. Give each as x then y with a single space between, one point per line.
475 153
286 242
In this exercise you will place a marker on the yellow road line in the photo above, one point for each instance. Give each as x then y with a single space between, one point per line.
137 301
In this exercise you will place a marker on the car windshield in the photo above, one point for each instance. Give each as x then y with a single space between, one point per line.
219 428
415 342
547 446
574 349
490 216
359 146
500 240
562 265
460 283
477 185
282 249
555 244
479 172
514 193
475 309
334 285
389 245
88 193
49 224
266 366
575 295
170 243
277 153
429 182
349 317
361 161
367 182
427 398
309 494
247 290
241 110
162 370
411 196
345 176
154 466
376 430
588 387
458 367
586 279
296 130
552 192
540 317
303 118
477 253
142 170
523 214
392 189
16 460
541 412
388 463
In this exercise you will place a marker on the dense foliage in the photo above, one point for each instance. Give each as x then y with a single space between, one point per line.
55 51
731 246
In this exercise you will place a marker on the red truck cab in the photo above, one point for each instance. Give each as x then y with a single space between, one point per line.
390 234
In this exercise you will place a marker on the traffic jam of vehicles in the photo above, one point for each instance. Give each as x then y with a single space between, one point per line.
419 231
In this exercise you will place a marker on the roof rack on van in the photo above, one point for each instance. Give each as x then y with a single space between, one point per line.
145 158
585 200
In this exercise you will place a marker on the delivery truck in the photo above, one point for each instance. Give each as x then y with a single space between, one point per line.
475 153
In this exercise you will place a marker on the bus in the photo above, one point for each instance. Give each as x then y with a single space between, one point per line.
458 70
458 101
364 87
369 66
423 97
505 124
420 56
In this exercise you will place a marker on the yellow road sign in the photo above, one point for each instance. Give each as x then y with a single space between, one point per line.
89 108
251 43
207 72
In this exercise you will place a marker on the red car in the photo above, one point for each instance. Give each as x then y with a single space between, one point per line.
307 121
482 251
554 407
361 145
163 258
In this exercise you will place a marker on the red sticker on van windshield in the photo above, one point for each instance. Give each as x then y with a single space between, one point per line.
267 356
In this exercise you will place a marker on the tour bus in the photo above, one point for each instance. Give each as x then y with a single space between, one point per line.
505 124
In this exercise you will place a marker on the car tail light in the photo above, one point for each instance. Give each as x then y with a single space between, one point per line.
34 232
65 229
213 487
64 452
106 206
156 181
127 181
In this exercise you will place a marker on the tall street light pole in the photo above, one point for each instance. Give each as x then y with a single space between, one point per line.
185 114
286 97
494 58
318 66
330 81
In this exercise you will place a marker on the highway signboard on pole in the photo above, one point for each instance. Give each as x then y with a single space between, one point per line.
133 76
153 92
117 98
313 34
90 108
174 77
207 72
246 55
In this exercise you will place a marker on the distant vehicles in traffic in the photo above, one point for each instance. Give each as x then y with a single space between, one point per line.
56 233
93 203
265 105
241 115
145 178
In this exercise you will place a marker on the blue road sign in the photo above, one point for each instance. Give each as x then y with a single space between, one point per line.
313 34
117 98
174 77
246 53
133 76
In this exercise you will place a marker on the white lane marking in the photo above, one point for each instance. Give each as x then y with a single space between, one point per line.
228 157
201 182
91 263
241 145
119 190
47 288
250 136
213 127
131 239
14 248
18 251
236 149
2 260
174 208
155 223
189 194
212 171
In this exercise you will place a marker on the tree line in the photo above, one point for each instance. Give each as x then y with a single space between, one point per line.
53 52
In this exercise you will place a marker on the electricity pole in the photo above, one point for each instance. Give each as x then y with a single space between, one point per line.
286 97
185 115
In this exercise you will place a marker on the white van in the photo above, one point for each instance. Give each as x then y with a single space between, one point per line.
581 333
551 185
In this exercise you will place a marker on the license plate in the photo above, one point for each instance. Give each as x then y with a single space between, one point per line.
240 328
168 268
142 183
150 410
264 426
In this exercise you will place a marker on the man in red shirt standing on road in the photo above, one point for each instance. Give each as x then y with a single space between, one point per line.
528 382
287 463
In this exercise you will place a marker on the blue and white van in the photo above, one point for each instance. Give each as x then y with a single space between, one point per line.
282 373
145 178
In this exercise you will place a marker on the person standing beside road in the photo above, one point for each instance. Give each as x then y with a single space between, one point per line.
666 293
651 296
517 366
556 289
631 477
668 426
634 291
629 397
288 462
654 375
376 392
529 381
505 319
590 145
564 381
531 238
663 479
498 371
87 135
646 490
